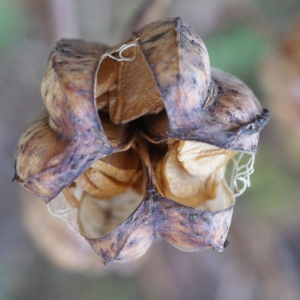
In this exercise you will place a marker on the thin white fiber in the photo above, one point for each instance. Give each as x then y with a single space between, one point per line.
240 173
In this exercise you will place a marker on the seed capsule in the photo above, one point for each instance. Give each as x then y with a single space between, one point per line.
138 137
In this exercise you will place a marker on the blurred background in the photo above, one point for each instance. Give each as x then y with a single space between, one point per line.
257 40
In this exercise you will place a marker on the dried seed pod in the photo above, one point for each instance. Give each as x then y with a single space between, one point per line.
138 137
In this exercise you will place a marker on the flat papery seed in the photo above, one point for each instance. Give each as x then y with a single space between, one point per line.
201 159
100 185
84 182
120 166
137 93
106 187
107 75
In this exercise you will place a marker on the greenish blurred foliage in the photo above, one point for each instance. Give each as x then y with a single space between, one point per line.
11 23
238 51
271 185
279 11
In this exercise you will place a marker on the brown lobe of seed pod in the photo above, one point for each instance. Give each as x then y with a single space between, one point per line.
35 143
68 93
121 165
184 227
231 118
234 104
179 63
235 115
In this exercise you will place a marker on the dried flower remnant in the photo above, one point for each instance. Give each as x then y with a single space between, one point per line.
137 138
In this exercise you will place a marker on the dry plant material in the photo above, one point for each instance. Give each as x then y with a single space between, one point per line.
137 137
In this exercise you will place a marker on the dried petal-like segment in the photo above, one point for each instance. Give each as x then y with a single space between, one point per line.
136 93
193 172
200 159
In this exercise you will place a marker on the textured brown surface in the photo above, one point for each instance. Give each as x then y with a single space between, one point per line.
76 138
184 227
215 108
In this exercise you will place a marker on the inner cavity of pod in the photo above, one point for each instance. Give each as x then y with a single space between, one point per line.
126 88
